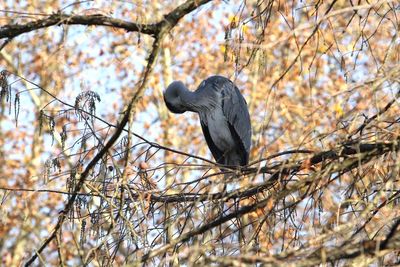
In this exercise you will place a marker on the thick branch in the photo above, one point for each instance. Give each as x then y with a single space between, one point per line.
12 30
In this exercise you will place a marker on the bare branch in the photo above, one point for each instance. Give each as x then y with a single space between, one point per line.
171 20
12 30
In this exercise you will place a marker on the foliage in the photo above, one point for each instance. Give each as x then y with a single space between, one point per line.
96 171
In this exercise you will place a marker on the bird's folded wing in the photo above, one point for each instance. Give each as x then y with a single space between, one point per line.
235 110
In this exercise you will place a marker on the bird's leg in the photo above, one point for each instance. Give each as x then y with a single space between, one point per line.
219 191
240 222
216 208
238 238
220 207
223 192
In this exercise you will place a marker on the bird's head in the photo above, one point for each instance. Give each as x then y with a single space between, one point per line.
173 97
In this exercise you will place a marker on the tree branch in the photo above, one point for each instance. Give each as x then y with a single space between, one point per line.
322 256
166 25
355 153
346 150
12 30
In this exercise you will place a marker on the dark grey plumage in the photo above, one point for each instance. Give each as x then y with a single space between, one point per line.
223 113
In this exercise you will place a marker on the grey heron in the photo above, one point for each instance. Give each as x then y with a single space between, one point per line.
223 113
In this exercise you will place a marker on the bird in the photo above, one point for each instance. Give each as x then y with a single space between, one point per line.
223 113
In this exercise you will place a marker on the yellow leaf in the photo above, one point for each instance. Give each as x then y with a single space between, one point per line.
338 109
